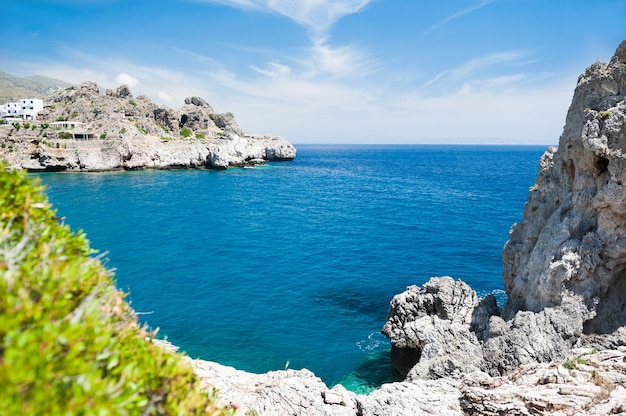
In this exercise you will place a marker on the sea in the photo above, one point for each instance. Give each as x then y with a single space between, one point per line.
293 264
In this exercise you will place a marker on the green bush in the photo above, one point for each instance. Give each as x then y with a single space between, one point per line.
69 343
200 136
123 130
65 135
185 132
103 136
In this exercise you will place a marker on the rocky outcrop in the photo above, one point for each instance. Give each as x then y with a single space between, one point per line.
435 329
587 382
564 264
570 247
116 130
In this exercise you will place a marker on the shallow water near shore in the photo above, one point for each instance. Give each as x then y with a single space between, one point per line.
294 264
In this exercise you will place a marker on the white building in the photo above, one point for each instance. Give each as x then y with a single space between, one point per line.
27 108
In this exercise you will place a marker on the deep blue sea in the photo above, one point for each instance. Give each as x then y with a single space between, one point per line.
294 264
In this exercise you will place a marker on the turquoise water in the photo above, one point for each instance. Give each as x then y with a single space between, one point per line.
294 264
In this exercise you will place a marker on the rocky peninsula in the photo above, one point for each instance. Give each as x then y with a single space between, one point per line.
84 130
558 346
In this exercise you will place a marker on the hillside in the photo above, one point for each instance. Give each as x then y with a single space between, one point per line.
13 88
81 129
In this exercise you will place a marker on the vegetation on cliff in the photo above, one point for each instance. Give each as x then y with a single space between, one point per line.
69 343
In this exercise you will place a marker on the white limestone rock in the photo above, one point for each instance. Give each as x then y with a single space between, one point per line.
570 247
433 329
276 393
133 133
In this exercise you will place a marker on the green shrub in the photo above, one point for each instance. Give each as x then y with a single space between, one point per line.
69 343
65 135
74 115
123 130
61 118
200 136
27 125
185 132
103 136
604 114
44 125
131 102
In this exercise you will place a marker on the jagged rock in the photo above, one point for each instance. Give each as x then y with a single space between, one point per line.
592 384
127 133
571 244
200 102
123 91
532 337
421 397
431 329
287 392
291 392
564 264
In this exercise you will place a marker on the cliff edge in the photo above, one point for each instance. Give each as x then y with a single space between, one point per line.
81 129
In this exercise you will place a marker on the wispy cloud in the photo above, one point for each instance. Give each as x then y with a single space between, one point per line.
456 16
316 15
482 65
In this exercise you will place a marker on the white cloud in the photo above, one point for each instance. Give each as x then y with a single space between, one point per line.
123 78
316 15
165 97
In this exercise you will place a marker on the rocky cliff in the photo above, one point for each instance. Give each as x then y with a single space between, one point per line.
564 266
83 130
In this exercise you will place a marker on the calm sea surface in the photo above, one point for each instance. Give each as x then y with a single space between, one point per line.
294 264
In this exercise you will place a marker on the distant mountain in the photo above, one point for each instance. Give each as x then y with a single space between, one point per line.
13 88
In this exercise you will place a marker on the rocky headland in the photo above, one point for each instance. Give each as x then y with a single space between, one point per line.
558 346
84 130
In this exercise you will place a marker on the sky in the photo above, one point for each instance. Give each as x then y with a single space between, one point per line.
331 71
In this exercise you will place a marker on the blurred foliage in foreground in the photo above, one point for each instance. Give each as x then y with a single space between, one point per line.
69 343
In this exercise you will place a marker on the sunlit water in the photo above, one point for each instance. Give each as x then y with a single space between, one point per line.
294 264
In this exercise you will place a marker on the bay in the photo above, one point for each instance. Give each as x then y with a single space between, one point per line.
294 264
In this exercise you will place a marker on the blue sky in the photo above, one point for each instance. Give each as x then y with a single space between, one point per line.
331 71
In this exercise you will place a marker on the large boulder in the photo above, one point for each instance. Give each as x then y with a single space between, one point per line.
435 329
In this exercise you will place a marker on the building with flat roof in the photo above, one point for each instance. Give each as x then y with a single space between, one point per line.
27 108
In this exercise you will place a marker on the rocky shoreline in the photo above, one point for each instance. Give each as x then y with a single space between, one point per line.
559 344
82 130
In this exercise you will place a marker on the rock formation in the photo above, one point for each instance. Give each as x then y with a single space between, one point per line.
587 382
119 131
564 264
